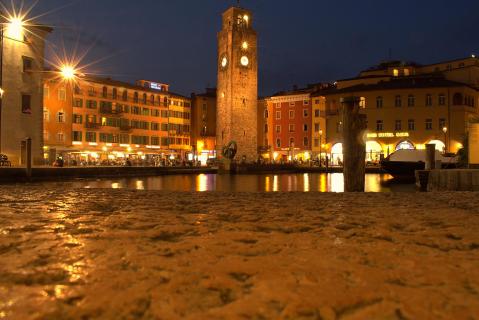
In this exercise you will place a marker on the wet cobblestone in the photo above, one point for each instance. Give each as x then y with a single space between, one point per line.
112 254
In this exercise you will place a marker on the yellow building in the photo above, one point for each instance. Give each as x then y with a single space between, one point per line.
319 146
408 106
95 120
22 49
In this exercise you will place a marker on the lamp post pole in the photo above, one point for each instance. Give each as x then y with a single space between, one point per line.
320 147
445 139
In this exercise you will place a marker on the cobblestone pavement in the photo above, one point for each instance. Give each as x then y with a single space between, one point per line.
112 254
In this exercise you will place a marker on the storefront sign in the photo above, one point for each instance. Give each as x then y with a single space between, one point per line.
388 135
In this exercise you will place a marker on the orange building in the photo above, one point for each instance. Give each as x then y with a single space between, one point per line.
203 133
96 120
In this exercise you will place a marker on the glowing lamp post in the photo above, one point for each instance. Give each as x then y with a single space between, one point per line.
320 146
68 72
14 28
445 139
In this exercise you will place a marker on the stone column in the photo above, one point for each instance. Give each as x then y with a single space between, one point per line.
430 156
354 146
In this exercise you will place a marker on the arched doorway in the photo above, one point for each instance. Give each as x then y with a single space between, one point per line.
373 151
405 145
440 146
337 154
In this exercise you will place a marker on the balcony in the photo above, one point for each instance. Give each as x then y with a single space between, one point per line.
111 112
126 128
92 125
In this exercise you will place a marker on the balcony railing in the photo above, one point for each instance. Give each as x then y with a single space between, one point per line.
92 125
111 112
126 128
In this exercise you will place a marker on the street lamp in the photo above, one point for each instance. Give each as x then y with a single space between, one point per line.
444 129
68 72
320 146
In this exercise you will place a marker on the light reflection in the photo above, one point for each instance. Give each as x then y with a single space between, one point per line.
202 183
336 182
267 185
323 183
275 184
140 185
306 182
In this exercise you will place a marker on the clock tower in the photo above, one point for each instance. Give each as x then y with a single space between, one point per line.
237 92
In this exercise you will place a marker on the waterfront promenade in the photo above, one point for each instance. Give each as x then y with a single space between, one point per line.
118 254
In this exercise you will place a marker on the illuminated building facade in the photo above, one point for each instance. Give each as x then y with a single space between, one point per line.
407 106
237 84
21 80
291 120
203 131
96 120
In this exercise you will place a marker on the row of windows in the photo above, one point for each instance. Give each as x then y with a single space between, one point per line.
152 99
411 125
109 107
292 114
458 99
94 137
291 128
291 104
292 143
133 124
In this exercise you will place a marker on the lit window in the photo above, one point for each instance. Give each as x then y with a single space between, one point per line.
362 102
61 117
406 72
396 72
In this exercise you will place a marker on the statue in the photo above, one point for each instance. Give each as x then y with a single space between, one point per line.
230 150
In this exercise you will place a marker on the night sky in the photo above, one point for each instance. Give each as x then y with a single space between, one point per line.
300 42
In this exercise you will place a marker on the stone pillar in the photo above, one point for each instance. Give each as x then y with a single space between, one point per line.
473 147
354 146
28 147
430 156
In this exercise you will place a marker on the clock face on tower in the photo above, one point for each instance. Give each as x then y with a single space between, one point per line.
244 61
224 62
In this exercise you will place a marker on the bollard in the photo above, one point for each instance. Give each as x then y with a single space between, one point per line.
430 156
28 147
354 147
